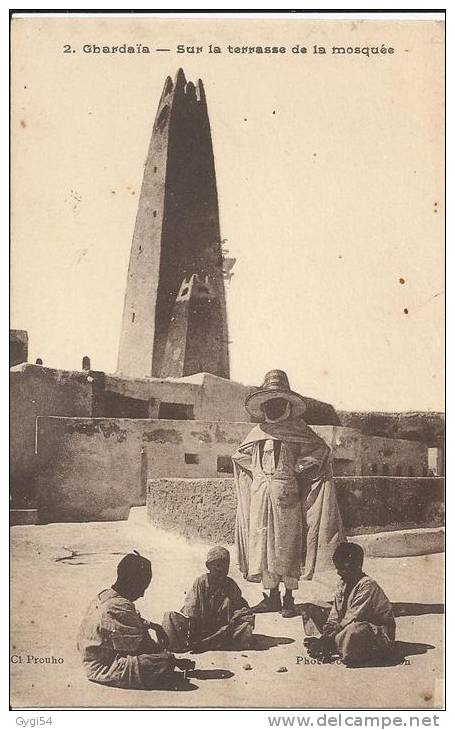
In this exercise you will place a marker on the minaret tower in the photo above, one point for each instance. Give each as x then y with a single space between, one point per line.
192 342
176 238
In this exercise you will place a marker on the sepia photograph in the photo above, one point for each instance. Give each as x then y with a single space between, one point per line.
227 394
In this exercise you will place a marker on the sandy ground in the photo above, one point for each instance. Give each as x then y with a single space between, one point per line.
49 597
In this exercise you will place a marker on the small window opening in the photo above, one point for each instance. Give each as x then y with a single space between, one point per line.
133 316
191 458
176 411
224 465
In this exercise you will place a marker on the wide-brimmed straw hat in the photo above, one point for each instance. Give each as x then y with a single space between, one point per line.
275 385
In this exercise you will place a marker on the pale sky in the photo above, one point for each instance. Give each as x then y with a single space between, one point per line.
330 180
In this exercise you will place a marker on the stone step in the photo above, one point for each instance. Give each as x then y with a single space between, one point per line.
402 543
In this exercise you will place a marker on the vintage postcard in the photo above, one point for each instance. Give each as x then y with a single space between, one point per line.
227 361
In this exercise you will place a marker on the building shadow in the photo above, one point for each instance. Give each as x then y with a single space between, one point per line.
416 609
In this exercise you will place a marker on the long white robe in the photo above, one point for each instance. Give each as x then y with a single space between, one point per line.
291 517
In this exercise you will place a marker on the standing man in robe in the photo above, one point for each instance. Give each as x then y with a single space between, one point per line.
287 513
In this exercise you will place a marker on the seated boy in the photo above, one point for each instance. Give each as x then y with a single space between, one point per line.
215 614
360 627
113 638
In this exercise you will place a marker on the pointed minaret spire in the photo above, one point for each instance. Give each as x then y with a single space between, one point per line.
176 236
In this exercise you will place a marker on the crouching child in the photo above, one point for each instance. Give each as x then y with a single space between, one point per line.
114 641
360 627
215 614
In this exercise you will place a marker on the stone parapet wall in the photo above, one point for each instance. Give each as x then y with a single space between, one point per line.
369 501
97 468
201 508
424 426
205 508
38 391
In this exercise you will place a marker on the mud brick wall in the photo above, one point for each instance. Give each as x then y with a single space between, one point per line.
382 501
205 508
18 347
89 469
39 391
